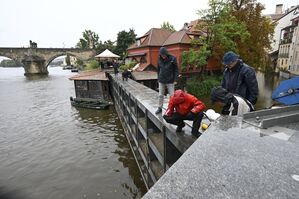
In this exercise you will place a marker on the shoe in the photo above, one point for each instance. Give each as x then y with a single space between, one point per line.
196 135
180 128
159 110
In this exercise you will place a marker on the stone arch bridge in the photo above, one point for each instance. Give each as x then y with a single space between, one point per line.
36 60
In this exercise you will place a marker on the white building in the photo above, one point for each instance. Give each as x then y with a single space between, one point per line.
288 42
294 47
282 22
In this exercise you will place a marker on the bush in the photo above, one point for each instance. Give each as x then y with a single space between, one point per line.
79 62
128 66
203 88
94 64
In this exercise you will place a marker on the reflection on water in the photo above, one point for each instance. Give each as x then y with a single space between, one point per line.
49 149
267 84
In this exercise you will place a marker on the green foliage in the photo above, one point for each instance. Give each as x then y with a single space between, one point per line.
202 88
124 40
90 40
106 45
254 49
195 58
94 64
79 62
223 30
166 25
10 63
237 25
128 66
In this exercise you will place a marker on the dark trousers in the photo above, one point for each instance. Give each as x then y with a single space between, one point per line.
178 119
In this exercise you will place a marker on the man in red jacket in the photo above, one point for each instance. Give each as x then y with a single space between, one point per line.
183 106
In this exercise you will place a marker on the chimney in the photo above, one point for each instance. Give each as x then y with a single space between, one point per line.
186 26
278 9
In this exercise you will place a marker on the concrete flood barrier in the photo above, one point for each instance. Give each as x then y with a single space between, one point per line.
155 144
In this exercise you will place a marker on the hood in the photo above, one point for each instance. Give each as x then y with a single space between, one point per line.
179 97
163 51
220 94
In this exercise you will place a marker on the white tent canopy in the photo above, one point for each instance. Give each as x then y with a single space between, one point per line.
107 54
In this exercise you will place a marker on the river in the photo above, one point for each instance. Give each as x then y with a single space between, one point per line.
49 149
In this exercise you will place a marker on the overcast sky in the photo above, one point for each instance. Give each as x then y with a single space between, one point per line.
60 23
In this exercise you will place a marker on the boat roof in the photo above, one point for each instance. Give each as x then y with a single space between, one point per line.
90 75
144 75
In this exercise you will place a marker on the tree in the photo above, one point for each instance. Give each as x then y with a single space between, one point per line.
254 49
222 29
166 25
195 58
124 40
237 25
90 40
106 45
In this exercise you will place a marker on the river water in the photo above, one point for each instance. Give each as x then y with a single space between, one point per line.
49 149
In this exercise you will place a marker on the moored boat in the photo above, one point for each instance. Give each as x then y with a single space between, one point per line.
98 104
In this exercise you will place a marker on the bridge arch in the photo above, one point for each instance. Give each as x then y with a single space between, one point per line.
58 55
13 59
36 60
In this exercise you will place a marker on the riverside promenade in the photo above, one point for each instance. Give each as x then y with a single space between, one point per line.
234 159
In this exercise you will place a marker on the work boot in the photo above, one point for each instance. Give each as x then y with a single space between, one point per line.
180 128
197 135
159 110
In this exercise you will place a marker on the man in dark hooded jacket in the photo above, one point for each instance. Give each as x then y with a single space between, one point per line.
167 74
239 78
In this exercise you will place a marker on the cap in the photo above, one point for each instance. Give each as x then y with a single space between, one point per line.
229 57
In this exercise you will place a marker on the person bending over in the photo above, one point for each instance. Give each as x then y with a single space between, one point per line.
183 106
233 103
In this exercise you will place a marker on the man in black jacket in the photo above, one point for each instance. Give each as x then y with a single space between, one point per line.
167 74
239 78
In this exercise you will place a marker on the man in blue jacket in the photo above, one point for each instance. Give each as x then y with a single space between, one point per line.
239 78
167 74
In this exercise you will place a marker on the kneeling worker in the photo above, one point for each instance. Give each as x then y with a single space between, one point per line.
233 103
183 106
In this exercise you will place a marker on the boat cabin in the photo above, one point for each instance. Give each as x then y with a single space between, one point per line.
147 78
92 85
